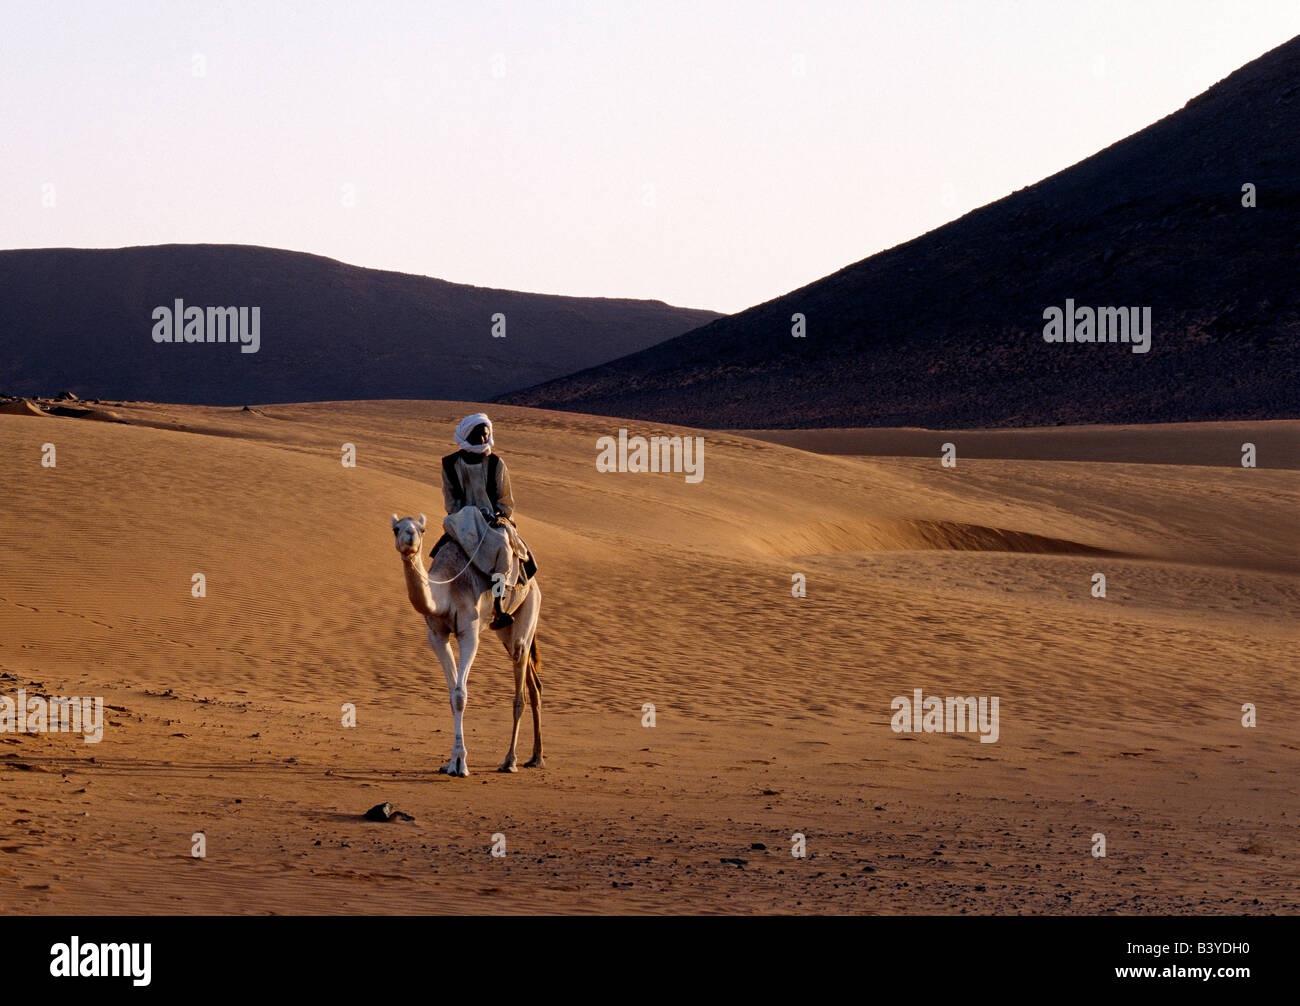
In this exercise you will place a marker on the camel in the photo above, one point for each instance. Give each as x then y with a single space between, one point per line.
454 602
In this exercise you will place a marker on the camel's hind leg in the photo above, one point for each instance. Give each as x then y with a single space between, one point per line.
535 699
520 643
519 657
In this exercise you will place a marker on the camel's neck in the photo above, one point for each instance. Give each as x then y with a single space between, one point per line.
417 587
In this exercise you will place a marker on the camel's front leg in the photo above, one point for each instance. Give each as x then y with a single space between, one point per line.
442 648
457 685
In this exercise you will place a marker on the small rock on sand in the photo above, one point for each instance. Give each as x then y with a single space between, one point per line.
385 812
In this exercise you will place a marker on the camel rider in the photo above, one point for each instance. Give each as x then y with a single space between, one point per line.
474 476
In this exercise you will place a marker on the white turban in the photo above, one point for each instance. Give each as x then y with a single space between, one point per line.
466 426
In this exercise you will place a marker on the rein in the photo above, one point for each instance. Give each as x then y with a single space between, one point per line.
416 554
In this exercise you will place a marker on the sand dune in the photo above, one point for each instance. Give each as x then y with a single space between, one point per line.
1118 715
21 407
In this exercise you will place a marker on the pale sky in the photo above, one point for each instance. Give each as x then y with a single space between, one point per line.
707 154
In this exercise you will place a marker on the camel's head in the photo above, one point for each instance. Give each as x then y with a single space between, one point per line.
407 534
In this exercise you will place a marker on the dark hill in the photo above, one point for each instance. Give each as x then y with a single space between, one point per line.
81 319
947 329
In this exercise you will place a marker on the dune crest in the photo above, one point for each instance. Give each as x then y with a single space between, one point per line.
883 535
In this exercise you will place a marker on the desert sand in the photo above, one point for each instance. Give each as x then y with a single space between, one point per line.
1120 716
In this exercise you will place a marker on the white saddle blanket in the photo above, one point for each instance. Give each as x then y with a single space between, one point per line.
491 549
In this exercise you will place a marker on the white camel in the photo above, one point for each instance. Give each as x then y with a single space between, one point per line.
454 603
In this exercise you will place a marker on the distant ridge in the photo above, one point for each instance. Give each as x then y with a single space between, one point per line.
81 319
947 329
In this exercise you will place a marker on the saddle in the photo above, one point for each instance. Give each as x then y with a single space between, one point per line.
527 568
514 595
